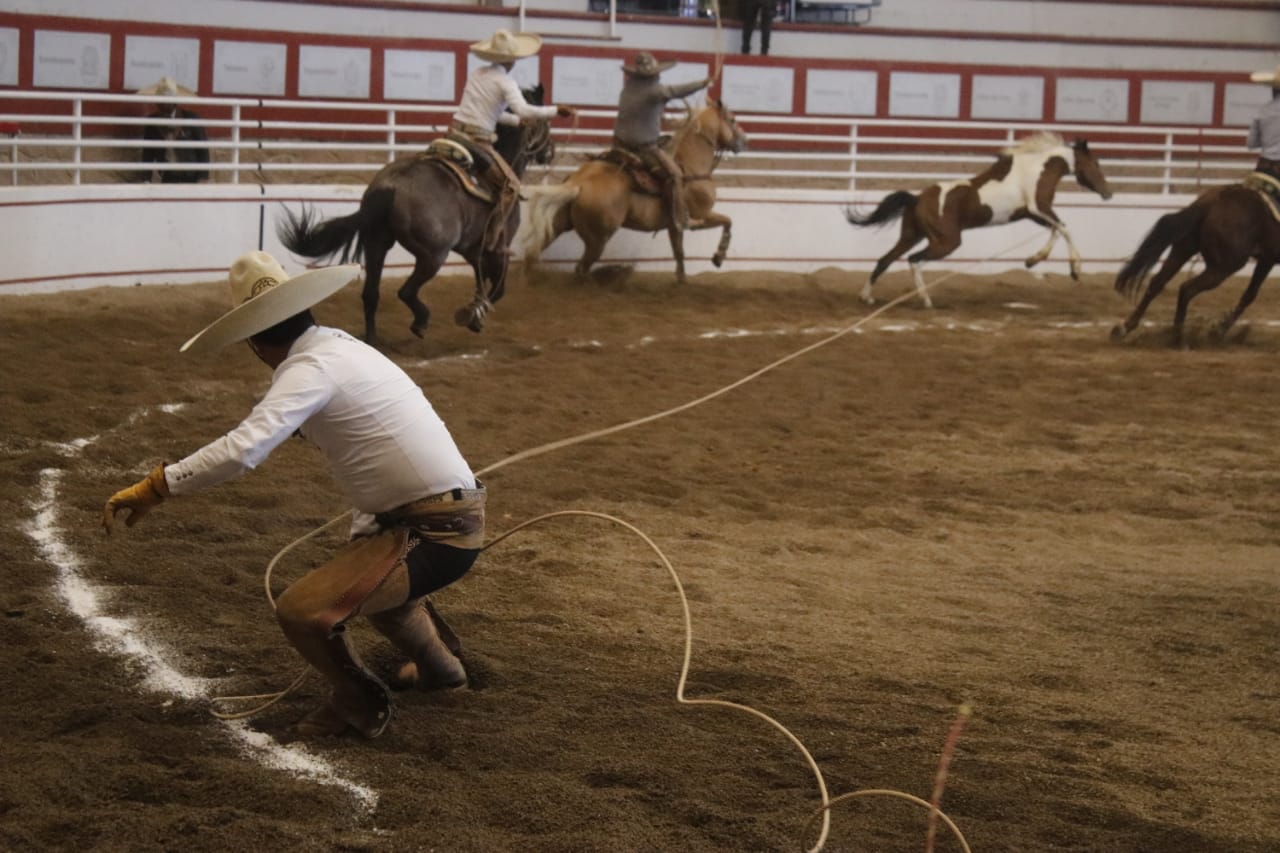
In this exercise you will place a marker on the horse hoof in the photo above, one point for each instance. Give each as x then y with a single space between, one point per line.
717 261
1118 331
419 331
470 318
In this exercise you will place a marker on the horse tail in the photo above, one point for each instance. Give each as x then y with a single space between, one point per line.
891 207
308 236
1168 229
544 202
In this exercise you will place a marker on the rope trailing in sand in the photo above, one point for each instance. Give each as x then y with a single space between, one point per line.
827 802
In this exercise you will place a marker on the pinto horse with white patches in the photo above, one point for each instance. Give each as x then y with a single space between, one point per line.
1020 185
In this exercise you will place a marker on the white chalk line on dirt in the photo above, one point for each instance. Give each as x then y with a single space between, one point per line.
982 327
124 638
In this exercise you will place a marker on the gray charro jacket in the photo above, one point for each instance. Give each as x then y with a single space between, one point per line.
640 108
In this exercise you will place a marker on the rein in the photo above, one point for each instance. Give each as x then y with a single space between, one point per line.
695 130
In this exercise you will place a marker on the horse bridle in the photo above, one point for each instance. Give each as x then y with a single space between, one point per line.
717 151
539 139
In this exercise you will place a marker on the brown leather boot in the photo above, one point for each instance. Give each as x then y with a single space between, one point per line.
432 663
359 701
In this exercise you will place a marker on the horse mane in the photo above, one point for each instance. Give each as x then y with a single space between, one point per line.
1037 143
684 127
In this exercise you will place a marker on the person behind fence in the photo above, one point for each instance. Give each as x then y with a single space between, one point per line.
489 98
752 10
639 124
163 129
1264 130
419 514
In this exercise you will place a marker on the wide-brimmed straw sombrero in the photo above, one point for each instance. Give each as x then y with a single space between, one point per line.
1272 76
167 87
263 294
506 46
644 65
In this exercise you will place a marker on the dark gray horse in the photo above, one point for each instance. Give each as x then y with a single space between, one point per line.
421 203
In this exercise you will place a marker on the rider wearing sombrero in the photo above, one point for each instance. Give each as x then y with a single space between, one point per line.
489 98
418 523
639 126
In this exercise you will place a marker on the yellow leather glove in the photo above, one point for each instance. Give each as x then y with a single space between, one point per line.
138 499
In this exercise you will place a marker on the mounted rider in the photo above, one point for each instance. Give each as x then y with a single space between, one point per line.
639 126
489 98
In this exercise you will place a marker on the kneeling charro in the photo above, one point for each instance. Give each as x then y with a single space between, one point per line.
418 521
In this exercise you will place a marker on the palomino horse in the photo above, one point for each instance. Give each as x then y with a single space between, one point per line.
598 199
421 202
1226 226
1020 185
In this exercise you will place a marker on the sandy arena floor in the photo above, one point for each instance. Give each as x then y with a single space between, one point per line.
988 503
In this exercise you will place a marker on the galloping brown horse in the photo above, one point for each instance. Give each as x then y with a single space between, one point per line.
1226 226
421 202
1020 185
598 199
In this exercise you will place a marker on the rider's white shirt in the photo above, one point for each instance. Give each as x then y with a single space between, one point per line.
384 443
489 93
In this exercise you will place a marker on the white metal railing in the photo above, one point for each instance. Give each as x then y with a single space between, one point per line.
255 139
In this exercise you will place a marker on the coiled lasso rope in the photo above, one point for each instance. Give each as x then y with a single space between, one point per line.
269 699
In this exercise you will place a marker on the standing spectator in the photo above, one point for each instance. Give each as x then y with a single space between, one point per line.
751 10
164 131
1264 131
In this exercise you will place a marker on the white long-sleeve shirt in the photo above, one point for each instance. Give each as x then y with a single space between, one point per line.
1264 130
385 444
487 96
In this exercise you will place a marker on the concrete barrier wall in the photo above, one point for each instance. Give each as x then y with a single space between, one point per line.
75 237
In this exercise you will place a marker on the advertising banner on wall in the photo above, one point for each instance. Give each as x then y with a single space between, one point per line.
1241 102
1174 102
997 96
8 57
71 60
840 93
419 75
248 68
924 95
147 59
757 89
1089 99
333 72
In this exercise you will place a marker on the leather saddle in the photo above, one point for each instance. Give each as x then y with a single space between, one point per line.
644 180
1267 187
459 160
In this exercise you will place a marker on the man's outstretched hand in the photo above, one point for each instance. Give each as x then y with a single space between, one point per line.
138 499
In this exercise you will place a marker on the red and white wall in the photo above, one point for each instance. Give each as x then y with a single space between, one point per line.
1128 63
